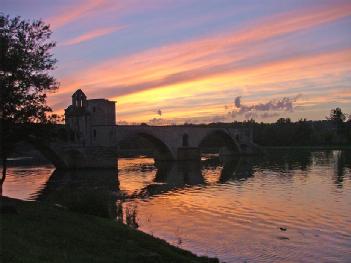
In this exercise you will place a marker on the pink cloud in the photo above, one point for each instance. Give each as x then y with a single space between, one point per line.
219 56
88 8
92 35
74 12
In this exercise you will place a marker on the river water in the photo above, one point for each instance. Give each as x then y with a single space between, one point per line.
288 206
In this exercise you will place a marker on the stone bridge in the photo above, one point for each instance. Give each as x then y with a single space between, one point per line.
72 155
169 143
95 138
182 143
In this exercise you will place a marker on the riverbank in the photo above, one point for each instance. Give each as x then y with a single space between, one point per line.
38 232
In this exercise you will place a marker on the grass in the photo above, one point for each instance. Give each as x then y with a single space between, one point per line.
40 232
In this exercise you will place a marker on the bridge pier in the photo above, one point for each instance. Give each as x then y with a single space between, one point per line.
79 157
180 154
188 154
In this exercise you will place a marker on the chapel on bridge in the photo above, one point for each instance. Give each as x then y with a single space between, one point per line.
89 119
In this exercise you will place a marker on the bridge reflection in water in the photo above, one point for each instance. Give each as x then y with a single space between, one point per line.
86 191
97 191
232 209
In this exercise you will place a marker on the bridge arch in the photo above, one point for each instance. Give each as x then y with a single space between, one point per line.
228 143
62 157
50 154
161 151
69 158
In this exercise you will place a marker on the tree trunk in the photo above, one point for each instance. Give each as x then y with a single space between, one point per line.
4 168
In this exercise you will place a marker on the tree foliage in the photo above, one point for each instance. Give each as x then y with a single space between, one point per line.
26 59
25 64
337 115
283 121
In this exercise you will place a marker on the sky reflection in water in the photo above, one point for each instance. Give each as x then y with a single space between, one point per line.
232 209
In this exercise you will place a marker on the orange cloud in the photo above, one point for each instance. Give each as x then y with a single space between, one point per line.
193 67
202 98
92 35
215 51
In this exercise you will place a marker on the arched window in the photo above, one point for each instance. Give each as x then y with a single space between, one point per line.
94 134
185 140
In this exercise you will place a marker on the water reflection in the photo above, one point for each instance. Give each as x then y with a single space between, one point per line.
286 160
236 170
171 176
342 164
86 191
179 174
97 191
71 187
240 203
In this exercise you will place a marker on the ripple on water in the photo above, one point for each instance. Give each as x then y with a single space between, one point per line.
283 209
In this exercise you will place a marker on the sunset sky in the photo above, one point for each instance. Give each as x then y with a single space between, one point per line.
176 61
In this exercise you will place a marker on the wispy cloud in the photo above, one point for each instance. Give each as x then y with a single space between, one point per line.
92 35
82 9
245 57
162 66
74 12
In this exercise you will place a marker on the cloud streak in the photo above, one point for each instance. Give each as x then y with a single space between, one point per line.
256 55
75 12
92 35
199 58
83 9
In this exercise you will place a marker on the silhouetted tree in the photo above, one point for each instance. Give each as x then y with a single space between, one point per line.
348 128
303 133
283 120
336 115
25 62
250 121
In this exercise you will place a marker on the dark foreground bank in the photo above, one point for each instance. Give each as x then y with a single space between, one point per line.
37 232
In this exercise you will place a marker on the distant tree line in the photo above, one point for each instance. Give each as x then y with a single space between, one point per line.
335 130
